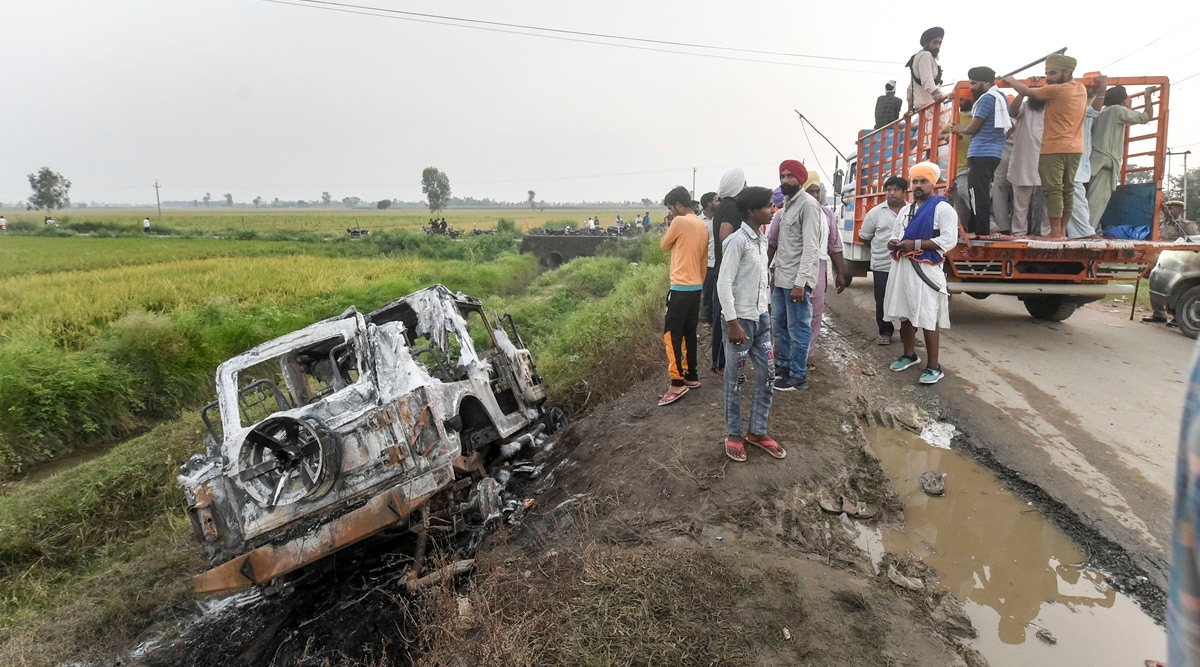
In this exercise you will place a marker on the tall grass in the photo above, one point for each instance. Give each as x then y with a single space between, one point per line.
124 346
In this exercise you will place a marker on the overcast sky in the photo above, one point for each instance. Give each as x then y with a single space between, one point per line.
262 99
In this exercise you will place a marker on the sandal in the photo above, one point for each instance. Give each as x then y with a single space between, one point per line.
769 446
735 449
672 395
692 384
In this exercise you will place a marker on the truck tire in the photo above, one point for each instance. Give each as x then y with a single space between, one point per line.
1187 312
1050 307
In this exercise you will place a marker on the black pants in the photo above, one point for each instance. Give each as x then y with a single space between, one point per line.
718 333
707 296
679 335
979 179
885 328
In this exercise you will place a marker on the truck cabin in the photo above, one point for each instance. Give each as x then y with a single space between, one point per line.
916 137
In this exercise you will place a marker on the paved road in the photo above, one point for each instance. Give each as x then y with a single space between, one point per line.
1088 409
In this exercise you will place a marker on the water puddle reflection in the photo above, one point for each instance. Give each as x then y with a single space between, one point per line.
1015 572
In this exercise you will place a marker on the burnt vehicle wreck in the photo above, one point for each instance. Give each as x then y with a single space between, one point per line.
355 425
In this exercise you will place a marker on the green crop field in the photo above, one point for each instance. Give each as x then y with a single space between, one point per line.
321 221
108 347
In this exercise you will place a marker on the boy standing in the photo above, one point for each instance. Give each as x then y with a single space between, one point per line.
742 290
687 241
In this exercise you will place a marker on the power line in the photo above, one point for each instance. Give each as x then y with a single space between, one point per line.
1156 39
815 158
582 33
1190 76
369 12
1158 67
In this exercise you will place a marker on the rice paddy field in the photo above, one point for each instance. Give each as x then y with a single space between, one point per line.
218 219
108 344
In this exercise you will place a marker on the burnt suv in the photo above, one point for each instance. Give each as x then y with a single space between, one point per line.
357 424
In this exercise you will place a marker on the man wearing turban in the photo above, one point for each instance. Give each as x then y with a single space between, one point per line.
725 219
795 262
926 74
988 129
1062 137
916 295
831 254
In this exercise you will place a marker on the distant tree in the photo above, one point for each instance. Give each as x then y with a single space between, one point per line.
530 199
195 204
228 199
383 204
326 199
647 202
436 186
50 189
258 202
207 198
1175 188
351 202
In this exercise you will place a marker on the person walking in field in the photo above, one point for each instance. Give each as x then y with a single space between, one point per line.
916 294
146 225
687 241
742 289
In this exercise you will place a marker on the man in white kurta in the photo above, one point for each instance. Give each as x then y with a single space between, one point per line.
910 300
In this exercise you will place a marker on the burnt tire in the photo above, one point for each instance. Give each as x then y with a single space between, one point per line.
556 420
1187 312
1050 307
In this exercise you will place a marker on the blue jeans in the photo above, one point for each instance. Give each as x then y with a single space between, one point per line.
758 347
793 330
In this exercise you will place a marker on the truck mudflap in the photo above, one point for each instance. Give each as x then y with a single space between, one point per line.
263 565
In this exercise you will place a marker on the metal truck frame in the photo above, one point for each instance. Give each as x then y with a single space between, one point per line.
357 424
1051 278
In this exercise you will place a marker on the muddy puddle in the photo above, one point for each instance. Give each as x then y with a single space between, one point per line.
1015 572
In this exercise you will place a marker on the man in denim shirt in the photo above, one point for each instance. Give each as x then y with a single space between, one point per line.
742 290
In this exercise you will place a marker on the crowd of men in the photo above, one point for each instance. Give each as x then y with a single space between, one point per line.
1044 163
754 264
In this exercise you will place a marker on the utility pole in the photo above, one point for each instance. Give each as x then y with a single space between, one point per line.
1185 155
158 200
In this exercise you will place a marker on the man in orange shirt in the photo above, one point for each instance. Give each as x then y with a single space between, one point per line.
1062 139
687 241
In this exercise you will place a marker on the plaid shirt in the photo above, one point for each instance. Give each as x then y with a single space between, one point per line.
887 109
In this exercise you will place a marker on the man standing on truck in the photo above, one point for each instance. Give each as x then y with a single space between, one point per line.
1108 146
1062 138
877 230
795 263
687 242
989 126
916 295
887 106
926 74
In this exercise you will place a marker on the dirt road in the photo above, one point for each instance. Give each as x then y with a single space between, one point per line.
1086 410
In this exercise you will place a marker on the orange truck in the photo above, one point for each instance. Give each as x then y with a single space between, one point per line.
1052 278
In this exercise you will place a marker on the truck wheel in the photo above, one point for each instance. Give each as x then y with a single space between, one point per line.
1051 307
1187 312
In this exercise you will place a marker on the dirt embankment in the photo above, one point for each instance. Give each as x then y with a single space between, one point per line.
646 545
